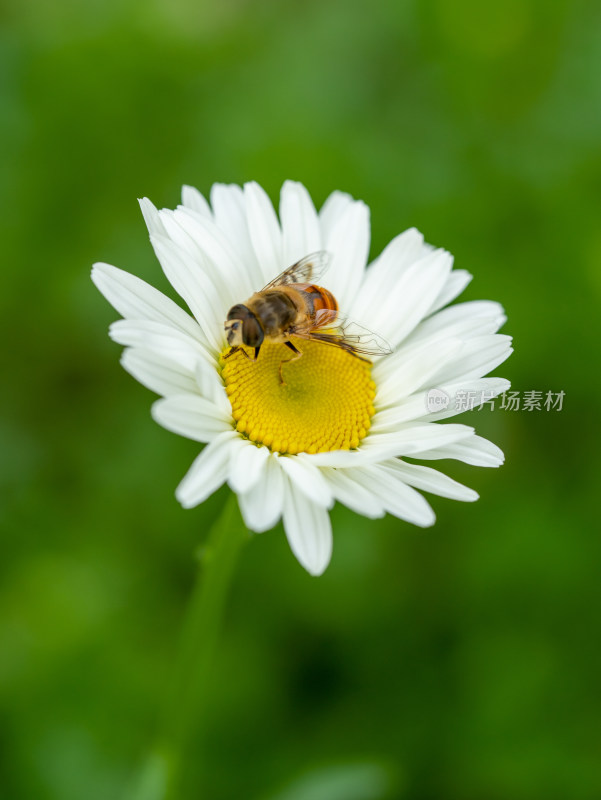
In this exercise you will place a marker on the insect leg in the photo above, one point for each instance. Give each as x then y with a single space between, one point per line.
293 348
298 354
238 349
231 352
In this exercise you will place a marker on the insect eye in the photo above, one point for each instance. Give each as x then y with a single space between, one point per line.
252 333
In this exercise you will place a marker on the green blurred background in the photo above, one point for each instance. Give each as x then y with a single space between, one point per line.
459 662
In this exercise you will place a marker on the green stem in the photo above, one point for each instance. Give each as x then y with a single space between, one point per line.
191 685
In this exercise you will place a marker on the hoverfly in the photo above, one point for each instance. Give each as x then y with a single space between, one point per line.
293 305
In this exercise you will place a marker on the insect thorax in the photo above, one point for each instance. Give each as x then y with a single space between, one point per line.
275 310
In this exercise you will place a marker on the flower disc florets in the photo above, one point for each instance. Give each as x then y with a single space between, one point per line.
323 403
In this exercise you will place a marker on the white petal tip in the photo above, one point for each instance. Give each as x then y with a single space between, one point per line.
95 272
183 499
155 408
151 216
289 183
254 528
114 331
315 570
100 270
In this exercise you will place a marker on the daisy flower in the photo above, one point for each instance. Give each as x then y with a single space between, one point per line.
338 428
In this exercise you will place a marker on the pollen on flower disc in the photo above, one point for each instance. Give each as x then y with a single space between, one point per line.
325 402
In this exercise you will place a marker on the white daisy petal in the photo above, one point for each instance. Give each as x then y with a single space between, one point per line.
385 271
389 373
187 230
229 209
396 497
353 494
430 480
309 480
135 299
151 217
265 233
463 329
162 339
191 416
454 318
158 373
211 386
180 236
348 244
308 530
333 210
194 286
479 392
456 282
301 234
218 256
417 406
208 472
407 302
261 506
339 459
408 374
247 467
474 450
193 199
410 438
477 357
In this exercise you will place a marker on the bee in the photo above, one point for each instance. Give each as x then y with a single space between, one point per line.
294 305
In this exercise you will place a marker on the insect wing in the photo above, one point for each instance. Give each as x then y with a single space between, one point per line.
359 339
341 332
308 270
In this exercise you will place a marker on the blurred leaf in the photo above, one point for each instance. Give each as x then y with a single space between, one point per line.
349 782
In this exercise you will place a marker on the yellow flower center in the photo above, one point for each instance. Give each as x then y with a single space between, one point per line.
325 402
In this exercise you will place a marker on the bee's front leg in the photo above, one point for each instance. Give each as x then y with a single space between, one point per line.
298 354
232 351
239 349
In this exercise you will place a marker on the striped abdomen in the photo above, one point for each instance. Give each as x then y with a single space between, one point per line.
318 299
